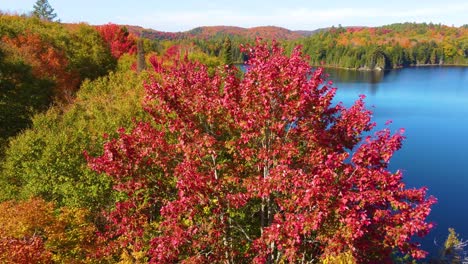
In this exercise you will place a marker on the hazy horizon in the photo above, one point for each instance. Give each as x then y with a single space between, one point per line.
293 15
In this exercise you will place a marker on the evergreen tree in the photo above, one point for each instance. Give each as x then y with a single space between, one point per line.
227 51
43 10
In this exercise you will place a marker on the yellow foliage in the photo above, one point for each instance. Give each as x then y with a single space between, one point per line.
129 256
342 258
452 239
26 218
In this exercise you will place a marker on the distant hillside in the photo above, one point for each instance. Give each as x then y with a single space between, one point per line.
354 47
206 32
153 34
266 32
386 47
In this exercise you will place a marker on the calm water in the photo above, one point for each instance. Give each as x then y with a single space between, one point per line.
431 103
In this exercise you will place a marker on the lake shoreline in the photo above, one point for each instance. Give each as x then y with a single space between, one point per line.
397 68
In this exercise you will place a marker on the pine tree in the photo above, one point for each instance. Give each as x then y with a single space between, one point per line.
43 10
227 48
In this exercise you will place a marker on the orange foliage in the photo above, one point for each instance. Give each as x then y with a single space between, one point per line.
359 36
21 231
47 62
33 232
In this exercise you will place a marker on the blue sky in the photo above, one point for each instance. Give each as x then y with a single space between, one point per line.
292 14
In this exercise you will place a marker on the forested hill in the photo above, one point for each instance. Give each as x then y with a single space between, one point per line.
266 32
391 46
385 47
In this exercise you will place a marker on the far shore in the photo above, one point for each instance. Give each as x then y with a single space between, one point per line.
380 69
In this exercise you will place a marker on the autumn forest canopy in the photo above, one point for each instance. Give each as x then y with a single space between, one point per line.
120 144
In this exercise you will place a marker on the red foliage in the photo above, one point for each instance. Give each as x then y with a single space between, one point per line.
354 29
173 52
23 250
118 39
156 63
21 231
261 170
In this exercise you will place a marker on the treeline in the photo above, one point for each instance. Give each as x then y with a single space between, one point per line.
217 46
387 47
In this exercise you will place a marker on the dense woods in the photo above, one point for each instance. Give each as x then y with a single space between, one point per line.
365 48
388 47
120 145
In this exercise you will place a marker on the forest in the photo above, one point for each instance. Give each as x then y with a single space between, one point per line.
389 47
364 48
120 146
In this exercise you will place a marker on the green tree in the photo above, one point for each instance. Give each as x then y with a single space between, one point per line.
47 161
227 51
21 95
43 10
46 62
88 53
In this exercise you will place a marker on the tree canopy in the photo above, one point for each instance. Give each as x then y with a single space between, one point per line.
42 65
262 168
43 10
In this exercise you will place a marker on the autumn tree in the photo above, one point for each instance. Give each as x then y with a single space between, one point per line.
262 168
118 38
43 10
21 95
47 62
46 160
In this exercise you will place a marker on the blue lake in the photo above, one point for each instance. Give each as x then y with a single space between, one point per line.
431 103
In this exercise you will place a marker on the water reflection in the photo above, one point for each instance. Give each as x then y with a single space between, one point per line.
353 76
431 103
371 78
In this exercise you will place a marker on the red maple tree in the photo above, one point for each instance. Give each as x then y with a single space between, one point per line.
120 41
262 168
